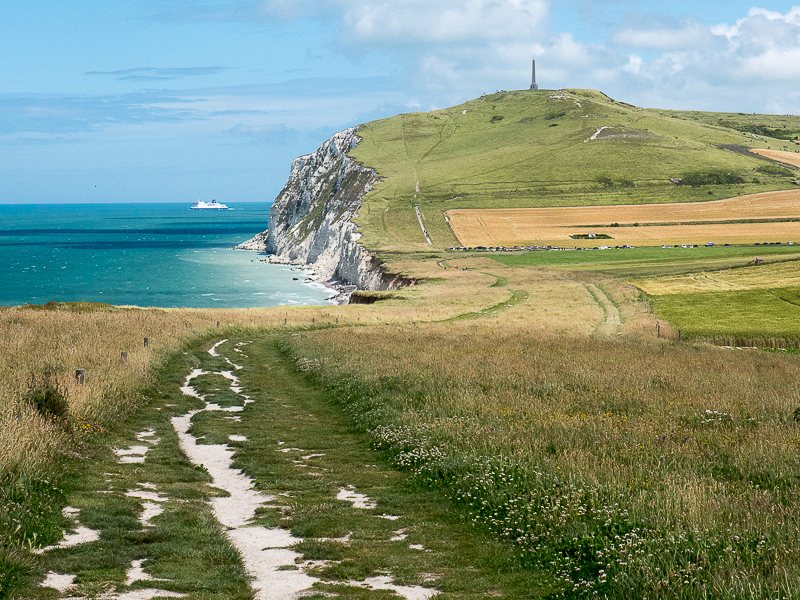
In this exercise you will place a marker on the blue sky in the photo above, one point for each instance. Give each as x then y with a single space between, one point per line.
179 100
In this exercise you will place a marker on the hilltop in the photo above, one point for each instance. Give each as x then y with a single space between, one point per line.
546 148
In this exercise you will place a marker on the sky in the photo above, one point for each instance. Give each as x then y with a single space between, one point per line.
180 100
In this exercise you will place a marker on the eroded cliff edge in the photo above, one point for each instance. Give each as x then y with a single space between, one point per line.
311 221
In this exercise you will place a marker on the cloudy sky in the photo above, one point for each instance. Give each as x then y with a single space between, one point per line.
179 100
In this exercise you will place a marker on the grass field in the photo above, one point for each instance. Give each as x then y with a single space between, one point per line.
767 217
598 456
751 318
619 467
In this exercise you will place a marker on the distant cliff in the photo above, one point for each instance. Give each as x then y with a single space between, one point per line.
311 221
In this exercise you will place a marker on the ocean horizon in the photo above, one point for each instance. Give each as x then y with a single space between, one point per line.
148 254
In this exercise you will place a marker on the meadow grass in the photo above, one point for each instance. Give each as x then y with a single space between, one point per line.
42 346
619 466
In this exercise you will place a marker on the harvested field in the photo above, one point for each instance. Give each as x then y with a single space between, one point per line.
765 217
790 158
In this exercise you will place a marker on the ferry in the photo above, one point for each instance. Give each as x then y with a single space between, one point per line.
213 205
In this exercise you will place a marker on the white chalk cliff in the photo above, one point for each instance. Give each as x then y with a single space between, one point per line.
311 221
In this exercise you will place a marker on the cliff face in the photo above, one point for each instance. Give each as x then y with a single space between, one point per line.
311 219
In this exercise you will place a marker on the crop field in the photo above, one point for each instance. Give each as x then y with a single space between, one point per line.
649 261
764 318
752 277
766 217
790 158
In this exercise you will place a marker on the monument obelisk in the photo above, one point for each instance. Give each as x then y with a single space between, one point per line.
534 85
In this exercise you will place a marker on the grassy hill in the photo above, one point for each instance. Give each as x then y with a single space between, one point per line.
552 148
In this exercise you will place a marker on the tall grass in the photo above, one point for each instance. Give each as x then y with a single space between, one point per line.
621 466
45 415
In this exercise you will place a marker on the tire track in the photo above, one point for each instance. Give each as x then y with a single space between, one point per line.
612 320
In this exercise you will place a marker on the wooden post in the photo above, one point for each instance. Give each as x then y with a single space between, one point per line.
284 320
313 320
337 320
124 357
146 342
680 335
217 323
658 329
79 376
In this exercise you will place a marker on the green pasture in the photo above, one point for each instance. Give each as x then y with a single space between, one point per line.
783 127
646 261
764 318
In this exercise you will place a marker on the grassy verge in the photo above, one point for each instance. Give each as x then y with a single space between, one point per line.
437 549
621 468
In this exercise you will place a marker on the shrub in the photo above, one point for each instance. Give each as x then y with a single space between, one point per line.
775 170
47 395
712 178
605 181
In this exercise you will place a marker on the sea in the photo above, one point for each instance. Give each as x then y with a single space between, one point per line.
159 255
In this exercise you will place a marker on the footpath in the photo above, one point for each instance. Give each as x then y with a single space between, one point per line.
242 480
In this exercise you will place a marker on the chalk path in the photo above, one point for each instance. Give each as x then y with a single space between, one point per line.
422 225
265 552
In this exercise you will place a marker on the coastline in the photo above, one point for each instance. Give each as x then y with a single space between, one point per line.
340 292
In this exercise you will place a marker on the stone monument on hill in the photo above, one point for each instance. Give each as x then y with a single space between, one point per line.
534 85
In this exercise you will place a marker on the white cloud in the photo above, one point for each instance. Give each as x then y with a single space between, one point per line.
687 35
725 66
774 64
444 51
442 21
634 66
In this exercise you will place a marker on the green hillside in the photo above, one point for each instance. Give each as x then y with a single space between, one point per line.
549 148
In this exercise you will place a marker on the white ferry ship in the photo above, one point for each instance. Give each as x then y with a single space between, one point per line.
213 205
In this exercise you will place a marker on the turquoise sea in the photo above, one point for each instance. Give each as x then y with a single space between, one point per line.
162 255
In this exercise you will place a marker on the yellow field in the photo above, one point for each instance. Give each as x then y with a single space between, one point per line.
695 223
790 158
754 277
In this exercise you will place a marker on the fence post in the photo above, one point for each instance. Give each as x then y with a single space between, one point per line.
146 342
658 329
337 320
680 335
124 357
79 376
